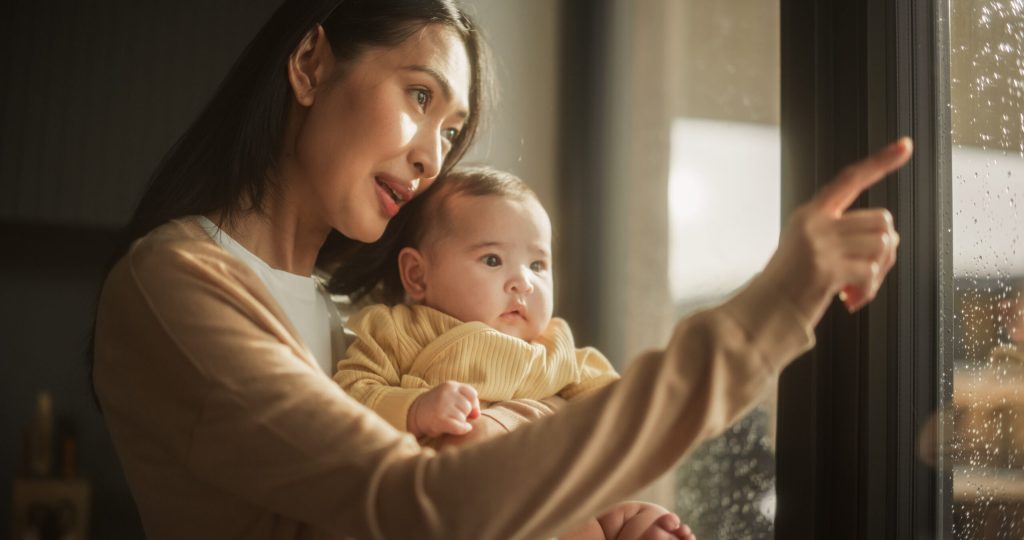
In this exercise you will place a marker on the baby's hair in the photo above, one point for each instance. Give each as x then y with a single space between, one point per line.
423 215
430 213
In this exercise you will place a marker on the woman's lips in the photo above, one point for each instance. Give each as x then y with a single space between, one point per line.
393 193
387 203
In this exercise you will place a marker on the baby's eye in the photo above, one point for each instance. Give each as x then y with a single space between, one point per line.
450 134
538 266
491 260
422 96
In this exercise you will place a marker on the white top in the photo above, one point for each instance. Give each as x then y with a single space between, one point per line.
303 299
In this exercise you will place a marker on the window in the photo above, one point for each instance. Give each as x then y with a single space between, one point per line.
983 450
904 421
724 222
675 99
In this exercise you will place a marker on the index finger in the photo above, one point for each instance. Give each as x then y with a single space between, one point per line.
840 193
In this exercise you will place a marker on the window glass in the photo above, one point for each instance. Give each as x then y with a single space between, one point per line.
983 446
724 216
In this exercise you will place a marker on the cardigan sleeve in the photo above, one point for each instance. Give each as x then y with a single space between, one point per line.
372 370
250 418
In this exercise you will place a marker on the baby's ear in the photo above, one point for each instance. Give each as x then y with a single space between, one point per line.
412 266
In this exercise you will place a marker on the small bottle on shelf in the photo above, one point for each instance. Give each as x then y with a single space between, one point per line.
40 443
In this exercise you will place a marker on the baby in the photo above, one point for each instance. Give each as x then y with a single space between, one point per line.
478 327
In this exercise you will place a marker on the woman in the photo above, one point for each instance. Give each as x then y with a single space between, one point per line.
209 335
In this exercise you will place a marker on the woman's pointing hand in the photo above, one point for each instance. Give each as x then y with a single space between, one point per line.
826 249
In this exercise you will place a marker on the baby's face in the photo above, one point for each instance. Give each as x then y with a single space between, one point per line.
493 264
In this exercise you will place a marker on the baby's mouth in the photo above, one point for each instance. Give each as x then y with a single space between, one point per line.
517 313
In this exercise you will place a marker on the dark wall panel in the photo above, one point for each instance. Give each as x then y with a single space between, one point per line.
93 93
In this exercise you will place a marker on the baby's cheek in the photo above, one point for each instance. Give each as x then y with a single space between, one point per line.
462 306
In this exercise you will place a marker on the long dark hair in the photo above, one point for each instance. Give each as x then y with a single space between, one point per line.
224 161
226 157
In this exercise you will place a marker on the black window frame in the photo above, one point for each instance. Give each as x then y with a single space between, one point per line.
856 75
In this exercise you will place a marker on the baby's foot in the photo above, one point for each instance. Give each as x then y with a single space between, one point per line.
643 521
667 527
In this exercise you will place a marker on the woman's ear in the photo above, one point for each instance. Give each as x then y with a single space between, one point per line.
412 266
309 65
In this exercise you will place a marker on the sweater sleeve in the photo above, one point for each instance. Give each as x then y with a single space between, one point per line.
247 417
372 370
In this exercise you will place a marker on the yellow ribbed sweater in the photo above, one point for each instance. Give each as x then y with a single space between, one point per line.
403 351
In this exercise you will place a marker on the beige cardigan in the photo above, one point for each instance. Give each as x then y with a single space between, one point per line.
402 351
227 428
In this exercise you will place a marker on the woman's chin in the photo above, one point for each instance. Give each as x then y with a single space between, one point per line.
366 233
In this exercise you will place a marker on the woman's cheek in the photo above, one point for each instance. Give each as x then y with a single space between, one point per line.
407 129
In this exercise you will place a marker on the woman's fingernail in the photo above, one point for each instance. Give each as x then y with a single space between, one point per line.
904 143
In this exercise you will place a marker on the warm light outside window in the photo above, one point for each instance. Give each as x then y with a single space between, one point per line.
983 438
724 219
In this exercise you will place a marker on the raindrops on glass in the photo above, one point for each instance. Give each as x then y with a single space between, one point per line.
984 442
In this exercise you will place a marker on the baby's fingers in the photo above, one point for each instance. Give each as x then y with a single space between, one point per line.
454 426
472 399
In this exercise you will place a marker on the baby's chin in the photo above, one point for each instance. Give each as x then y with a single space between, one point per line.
520 329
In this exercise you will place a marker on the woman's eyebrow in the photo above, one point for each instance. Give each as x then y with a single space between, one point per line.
442 81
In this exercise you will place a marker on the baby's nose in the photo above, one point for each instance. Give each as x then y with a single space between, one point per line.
520 285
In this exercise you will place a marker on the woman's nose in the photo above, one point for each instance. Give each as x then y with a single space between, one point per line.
426 155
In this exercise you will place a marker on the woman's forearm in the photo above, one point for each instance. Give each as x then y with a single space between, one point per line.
559 470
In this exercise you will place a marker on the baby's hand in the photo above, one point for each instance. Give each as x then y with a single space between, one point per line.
444 409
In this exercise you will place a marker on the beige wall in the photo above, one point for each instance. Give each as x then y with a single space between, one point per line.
521 132
719 48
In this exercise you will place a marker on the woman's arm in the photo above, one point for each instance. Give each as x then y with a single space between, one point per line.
501 418
190 366
601 448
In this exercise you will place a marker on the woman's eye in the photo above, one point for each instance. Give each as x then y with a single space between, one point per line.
450 134
491 260
538 266
422 97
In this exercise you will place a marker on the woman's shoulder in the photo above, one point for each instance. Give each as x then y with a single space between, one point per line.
182 236
177 251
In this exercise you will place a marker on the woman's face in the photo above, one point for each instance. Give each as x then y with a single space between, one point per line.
378 129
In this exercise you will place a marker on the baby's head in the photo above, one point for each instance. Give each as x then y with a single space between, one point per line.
480 250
